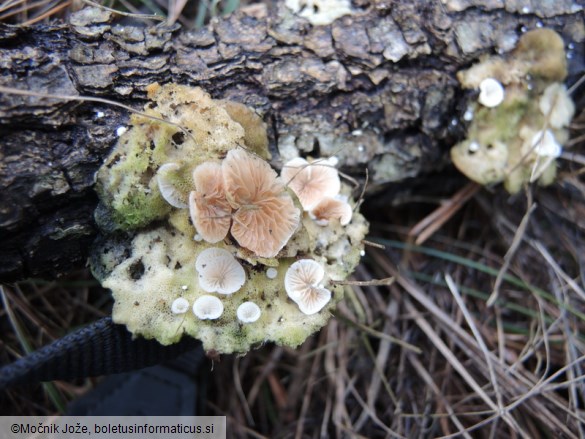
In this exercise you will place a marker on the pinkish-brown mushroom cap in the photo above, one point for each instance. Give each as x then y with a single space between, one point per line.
311 182
265 216
332 208
208 206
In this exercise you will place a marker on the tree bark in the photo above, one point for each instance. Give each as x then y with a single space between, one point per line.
376 88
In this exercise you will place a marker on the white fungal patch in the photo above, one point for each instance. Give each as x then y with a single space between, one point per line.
180 306
99 114
271 273
248 312
491 93
121 130
320 12
208 308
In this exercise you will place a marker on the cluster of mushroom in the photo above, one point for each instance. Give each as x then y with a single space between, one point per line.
216 244
519 122
219 272
243 196
317 186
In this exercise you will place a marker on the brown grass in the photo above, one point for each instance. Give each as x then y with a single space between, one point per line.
425 355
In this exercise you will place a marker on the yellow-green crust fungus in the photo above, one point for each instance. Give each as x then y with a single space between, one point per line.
153 269
505 138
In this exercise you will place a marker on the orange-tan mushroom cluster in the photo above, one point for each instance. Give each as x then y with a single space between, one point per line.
317 185
219 246
242 195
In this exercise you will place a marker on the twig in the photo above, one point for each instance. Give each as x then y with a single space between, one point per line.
518 236
125 14
80 98
471 323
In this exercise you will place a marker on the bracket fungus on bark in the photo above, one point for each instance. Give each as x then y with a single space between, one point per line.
197 212
521 115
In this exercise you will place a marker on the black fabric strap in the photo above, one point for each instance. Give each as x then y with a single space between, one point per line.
101 348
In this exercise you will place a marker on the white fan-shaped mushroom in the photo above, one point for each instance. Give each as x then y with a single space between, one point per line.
545 144
167 187
491 93
314 300
301 275
248 312
208 254
208 307
180 306
219 272
301 284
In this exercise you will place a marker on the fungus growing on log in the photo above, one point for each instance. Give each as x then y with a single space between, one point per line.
199 209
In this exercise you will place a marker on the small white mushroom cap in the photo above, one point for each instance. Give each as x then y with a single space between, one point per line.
271 273
545 144
219 272
311 182
301 283
208 307
557 105
248 312
168 190
180 305
491 93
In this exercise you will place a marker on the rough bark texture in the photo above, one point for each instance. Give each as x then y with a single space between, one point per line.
376 88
